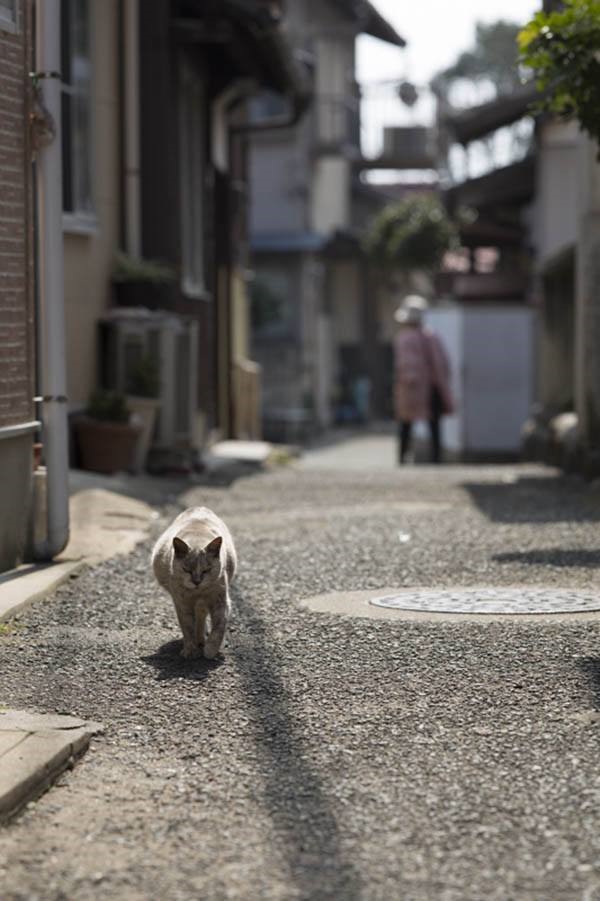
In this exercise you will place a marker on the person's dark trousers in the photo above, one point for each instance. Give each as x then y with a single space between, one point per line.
434 426
405 432
404 440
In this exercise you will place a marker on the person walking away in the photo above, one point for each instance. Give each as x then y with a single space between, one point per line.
421 378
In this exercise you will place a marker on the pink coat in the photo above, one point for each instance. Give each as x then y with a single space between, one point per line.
421 363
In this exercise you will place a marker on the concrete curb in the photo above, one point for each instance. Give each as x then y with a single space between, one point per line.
34 750
21 587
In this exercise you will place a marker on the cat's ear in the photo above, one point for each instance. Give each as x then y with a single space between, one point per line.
180 547
214 547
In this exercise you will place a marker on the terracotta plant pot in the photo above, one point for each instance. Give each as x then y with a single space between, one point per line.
107 447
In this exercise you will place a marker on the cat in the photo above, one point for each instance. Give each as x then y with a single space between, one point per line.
195 561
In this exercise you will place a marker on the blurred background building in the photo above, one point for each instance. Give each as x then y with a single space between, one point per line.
222 171
311 300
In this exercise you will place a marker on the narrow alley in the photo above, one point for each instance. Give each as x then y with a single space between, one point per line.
328 756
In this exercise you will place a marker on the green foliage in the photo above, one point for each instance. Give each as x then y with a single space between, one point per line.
563 49
108 406
132 269
144 377
412 234
494 58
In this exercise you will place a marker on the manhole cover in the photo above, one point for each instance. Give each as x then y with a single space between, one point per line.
491 600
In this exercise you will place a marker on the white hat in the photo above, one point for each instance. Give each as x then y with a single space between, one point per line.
411 310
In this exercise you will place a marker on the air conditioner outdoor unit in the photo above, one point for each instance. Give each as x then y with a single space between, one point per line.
409 147
130 333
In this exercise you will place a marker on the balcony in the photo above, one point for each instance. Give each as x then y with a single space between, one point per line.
405 147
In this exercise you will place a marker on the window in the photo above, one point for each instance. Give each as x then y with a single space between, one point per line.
271 304
268 105
191 181
76 108
9 14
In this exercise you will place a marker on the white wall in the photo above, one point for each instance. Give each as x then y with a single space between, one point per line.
330 202
491 355
497 376
557 210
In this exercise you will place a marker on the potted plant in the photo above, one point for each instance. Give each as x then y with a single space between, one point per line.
107 438
146 283
143 389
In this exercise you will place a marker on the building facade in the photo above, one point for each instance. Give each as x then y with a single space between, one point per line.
17 335
309 283
153 127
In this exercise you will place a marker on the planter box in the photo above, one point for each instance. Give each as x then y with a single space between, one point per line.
107 447
151 295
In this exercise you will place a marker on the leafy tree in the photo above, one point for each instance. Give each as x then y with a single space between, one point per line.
413 234
494 60
563 49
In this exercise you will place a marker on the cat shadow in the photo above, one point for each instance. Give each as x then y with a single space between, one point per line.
295 793
590 667
169 663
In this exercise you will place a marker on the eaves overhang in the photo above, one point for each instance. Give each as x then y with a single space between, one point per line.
253 32
475 123
370 21
512 185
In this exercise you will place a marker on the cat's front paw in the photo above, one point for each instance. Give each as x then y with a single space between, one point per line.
211 650
189 650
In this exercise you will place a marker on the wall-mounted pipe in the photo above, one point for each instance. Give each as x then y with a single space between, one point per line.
51 341
131 127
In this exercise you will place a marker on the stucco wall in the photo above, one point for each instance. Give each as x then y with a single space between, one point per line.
277 183
557 190
330 200
344 296
89 253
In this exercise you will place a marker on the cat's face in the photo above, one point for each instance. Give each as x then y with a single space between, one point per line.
196 567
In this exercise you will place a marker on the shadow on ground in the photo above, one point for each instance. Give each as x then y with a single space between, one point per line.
169 663
535 499
552 557
590 667
294 793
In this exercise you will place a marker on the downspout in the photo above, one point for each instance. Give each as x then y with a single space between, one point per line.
51 346
130 124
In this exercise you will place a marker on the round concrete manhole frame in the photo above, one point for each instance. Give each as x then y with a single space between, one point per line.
473 603
485 600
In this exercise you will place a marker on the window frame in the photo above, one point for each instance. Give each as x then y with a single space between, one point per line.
82 217
10 17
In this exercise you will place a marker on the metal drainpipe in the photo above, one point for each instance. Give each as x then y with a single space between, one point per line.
51 346
130 124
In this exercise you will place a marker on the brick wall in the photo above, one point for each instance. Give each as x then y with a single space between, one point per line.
16 258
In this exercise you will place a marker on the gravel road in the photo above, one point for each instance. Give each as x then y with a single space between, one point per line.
325 757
